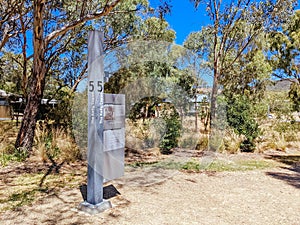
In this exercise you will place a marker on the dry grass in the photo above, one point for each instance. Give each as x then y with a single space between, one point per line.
8 134
279 136
143 135
232 142
55 143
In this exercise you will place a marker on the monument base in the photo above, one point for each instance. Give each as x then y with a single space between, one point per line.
94 209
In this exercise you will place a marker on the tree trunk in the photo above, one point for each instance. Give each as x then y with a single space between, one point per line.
26 133
196 114
217 52
213 106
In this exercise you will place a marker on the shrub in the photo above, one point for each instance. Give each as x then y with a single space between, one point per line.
294 95
172 130
240 118
192 165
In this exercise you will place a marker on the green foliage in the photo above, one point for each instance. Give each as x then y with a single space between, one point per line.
145 108
235 39
249 75
8 153
200 42
239 117
294 95
17 155
62 43
194 165
61 113
165 164
80 119
285 53
191 166
285 48
11 72
156 29
287 127
19 199
279 105
241 165
173 129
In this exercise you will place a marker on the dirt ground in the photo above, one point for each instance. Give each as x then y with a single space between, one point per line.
150 195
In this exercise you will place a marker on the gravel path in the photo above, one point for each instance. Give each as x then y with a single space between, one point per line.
155 196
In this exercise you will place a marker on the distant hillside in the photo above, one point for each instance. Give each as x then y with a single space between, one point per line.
281 85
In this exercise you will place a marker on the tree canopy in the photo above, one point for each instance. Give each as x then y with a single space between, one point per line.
43 49
58 31
235 26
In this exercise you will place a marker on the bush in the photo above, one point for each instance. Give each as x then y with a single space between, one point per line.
294 95
289 130
173 129
240 118
191 166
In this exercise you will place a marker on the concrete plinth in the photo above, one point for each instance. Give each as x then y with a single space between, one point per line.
94 209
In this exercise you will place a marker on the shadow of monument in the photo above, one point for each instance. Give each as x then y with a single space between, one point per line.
108 192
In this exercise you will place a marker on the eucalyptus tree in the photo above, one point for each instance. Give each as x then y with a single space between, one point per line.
70 68
11 12
14 23
229 39
243 83
55 26
10 70
118 30
285 55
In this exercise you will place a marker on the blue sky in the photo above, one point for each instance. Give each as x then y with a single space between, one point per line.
185 19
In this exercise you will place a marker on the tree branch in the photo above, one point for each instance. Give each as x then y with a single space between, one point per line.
107 9
79 78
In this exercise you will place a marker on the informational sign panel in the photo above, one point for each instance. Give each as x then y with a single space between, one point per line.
114 136
114 139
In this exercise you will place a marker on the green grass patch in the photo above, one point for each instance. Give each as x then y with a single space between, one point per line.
19 199
15 156
216 165
220 165
168 164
